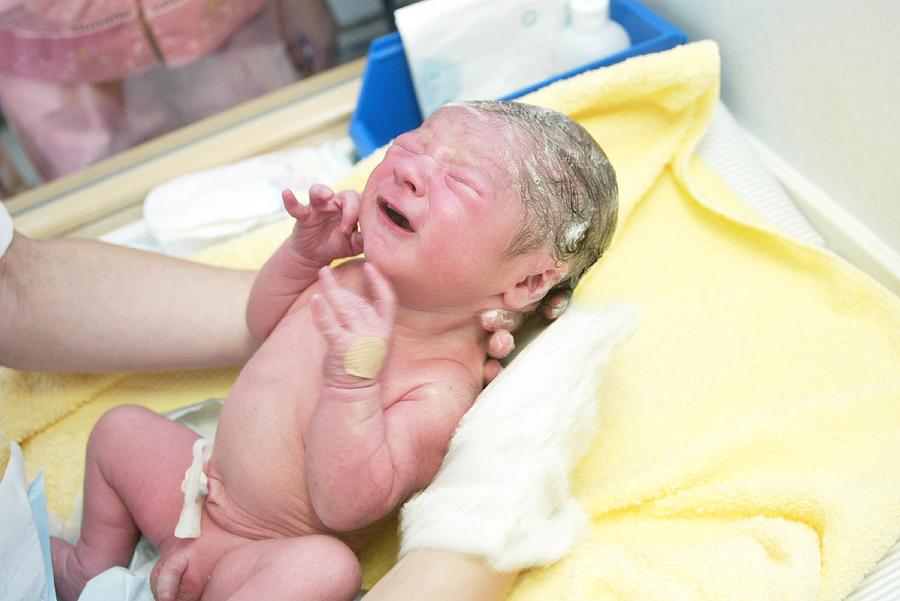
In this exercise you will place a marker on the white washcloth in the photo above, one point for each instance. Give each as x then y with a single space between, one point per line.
503 489
192 211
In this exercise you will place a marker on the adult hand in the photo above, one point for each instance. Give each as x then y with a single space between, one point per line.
503 322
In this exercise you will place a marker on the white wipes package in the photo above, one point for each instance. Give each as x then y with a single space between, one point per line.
23 564
472 49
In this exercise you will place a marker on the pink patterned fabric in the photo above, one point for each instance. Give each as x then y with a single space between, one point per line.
77 41
66 119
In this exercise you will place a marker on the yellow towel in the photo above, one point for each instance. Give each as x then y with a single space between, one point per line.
747 435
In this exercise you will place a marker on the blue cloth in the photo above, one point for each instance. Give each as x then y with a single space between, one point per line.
37 498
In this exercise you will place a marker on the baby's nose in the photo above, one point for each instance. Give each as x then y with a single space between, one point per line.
409 175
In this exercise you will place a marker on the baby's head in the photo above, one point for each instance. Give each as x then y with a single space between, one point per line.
489 200
565 181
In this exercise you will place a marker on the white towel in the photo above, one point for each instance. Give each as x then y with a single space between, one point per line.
503 489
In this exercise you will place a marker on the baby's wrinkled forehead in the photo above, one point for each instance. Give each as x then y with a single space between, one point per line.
469 133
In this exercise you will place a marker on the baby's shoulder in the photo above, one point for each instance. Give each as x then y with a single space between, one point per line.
446 379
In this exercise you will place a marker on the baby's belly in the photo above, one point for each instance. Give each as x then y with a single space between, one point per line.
257 473
252 508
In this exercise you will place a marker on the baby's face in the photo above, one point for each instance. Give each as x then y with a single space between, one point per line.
438 213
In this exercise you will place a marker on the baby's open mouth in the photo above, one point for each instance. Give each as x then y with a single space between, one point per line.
394 215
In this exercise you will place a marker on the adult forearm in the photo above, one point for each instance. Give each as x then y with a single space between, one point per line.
82 305
427 574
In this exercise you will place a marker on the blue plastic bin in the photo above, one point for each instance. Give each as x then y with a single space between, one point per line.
387 104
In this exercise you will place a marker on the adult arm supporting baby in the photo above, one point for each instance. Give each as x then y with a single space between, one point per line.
428 574
83 305
76 305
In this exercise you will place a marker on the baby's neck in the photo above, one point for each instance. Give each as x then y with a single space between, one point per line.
439 327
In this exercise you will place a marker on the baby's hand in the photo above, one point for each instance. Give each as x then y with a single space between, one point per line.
357 331
326 229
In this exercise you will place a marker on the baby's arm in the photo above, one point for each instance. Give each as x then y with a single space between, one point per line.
362 461
325 231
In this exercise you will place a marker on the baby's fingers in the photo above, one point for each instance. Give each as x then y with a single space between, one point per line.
347 307
356 242
293 206
349 202
325 320
319 195
382 293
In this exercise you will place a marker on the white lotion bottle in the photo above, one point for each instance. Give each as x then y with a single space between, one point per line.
589 36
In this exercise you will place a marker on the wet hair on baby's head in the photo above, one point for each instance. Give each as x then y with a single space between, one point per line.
565 181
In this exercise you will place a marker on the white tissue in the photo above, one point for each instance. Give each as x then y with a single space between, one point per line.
472 49
195 210
22 574
503 491
119 584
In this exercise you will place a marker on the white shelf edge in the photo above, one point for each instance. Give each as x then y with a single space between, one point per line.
844 233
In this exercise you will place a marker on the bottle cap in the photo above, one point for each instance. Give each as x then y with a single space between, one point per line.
589 15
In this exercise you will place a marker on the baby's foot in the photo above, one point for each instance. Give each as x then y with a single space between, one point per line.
68 576
166 579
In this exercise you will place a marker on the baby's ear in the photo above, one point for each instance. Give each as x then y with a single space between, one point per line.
528 291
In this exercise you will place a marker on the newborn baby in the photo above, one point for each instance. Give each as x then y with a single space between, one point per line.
364 370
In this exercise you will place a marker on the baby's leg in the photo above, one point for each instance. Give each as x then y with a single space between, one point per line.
135 463
307 568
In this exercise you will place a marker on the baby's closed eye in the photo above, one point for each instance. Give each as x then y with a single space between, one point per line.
462 182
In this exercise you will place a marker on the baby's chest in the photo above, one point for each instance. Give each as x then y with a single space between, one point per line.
289 365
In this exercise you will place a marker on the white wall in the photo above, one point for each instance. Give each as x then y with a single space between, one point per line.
818 82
